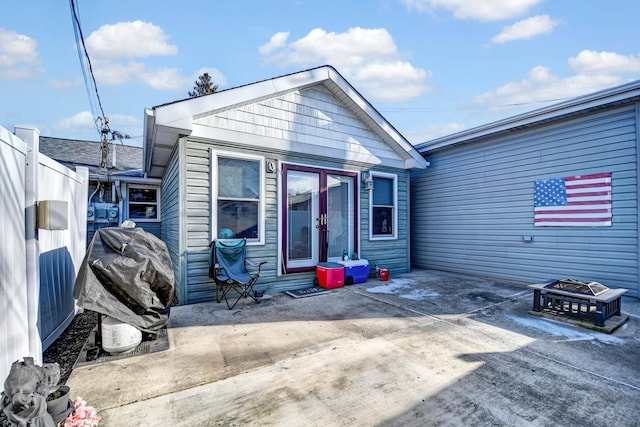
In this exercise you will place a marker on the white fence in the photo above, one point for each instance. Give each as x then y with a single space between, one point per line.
37 266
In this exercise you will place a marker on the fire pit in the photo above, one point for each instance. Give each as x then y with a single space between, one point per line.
584 300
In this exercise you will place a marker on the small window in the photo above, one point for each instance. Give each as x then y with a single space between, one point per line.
237 192
143 203
383 206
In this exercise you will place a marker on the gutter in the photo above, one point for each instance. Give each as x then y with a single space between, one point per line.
124 178
618 94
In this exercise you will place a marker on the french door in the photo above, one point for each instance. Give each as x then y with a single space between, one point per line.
319 216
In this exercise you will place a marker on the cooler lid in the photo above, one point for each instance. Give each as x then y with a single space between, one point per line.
330 265
354 262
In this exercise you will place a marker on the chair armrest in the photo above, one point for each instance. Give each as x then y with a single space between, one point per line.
254 264
214 270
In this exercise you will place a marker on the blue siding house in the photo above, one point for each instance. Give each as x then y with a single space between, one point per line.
472 211
301 165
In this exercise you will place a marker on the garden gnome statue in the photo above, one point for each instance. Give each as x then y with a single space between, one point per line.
24 400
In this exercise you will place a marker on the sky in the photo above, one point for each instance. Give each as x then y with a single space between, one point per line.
430 67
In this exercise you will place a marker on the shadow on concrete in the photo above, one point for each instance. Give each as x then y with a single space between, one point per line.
425 348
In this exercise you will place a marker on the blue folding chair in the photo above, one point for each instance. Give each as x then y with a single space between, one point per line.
228 268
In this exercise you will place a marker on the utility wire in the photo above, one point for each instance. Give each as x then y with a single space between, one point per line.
80 42
102 121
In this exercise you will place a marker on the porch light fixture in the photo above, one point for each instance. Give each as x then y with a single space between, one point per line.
367 180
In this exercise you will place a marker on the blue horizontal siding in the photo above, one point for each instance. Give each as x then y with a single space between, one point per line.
473 205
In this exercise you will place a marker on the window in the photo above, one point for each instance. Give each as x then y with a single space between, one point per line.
237 192
383 206
143 203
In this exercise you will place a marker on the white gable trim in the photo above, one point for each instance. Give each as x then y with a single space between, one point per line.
166 123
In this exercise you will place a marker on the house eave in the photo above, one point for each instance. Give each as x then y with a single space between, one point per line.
619 94
165 124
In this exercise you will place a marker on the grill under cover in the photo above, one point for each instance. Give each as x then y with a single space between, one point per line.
127 274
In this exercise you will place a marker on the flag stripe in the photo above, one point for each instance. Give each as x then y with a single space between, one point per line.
551 215
590 202
572 219
587 177
583 200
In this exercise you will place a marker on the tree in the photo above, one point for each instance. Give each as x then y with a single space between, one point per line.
203 86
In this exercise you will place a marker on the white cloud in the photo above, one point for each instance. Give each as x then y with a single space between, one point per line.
17 49
277 41
84 123
135 39
165 79
368 58
485 10
592 62
78 123
527 29
379 80
117 50
126 124
158 78
18 56
541 86
115 73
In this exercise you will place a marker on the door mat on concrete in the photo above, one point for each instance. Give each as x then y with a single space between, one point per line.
308 292
92 353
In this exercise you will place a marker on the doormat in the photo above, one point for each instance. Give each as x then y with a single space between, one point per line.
92 353
308 292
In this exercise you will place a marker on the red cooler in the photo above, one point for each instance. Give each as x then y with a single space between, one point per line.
330 275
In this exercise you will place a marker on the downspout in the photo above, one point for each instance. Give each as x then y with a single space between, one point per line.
32 137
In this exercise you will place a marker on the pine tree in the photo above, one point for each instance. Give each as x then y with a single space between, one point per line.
203 86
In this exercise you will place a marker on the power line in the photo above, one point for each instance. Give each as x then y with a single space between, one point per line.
80 42
467 107
102 121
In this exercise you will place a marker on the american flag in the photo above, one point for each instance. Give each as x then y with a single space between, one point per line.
582 200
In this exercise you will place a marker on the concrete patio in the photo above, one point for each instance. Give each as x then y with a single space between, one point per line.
424 348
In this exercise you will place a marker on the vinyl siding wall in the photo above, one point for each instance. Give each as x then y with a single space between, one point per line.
390 254
199 287
474 204
170 216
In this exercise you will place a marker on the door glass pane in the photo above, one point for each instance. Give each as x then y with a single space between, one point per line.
339 215
302 211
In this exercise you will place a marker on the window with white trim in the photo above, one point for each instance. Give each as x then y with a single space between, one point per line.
143 203
238 195
384 202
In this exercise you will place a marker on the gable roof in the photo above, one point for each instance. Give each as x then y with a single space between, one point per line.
165 123
73 152
622 94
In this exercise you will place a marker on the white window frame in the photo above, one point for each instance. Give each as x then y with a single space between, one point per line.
394 235
214 193
157 202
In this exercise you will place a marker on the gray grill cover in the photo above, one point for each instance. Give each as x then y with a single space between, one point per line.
127 274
